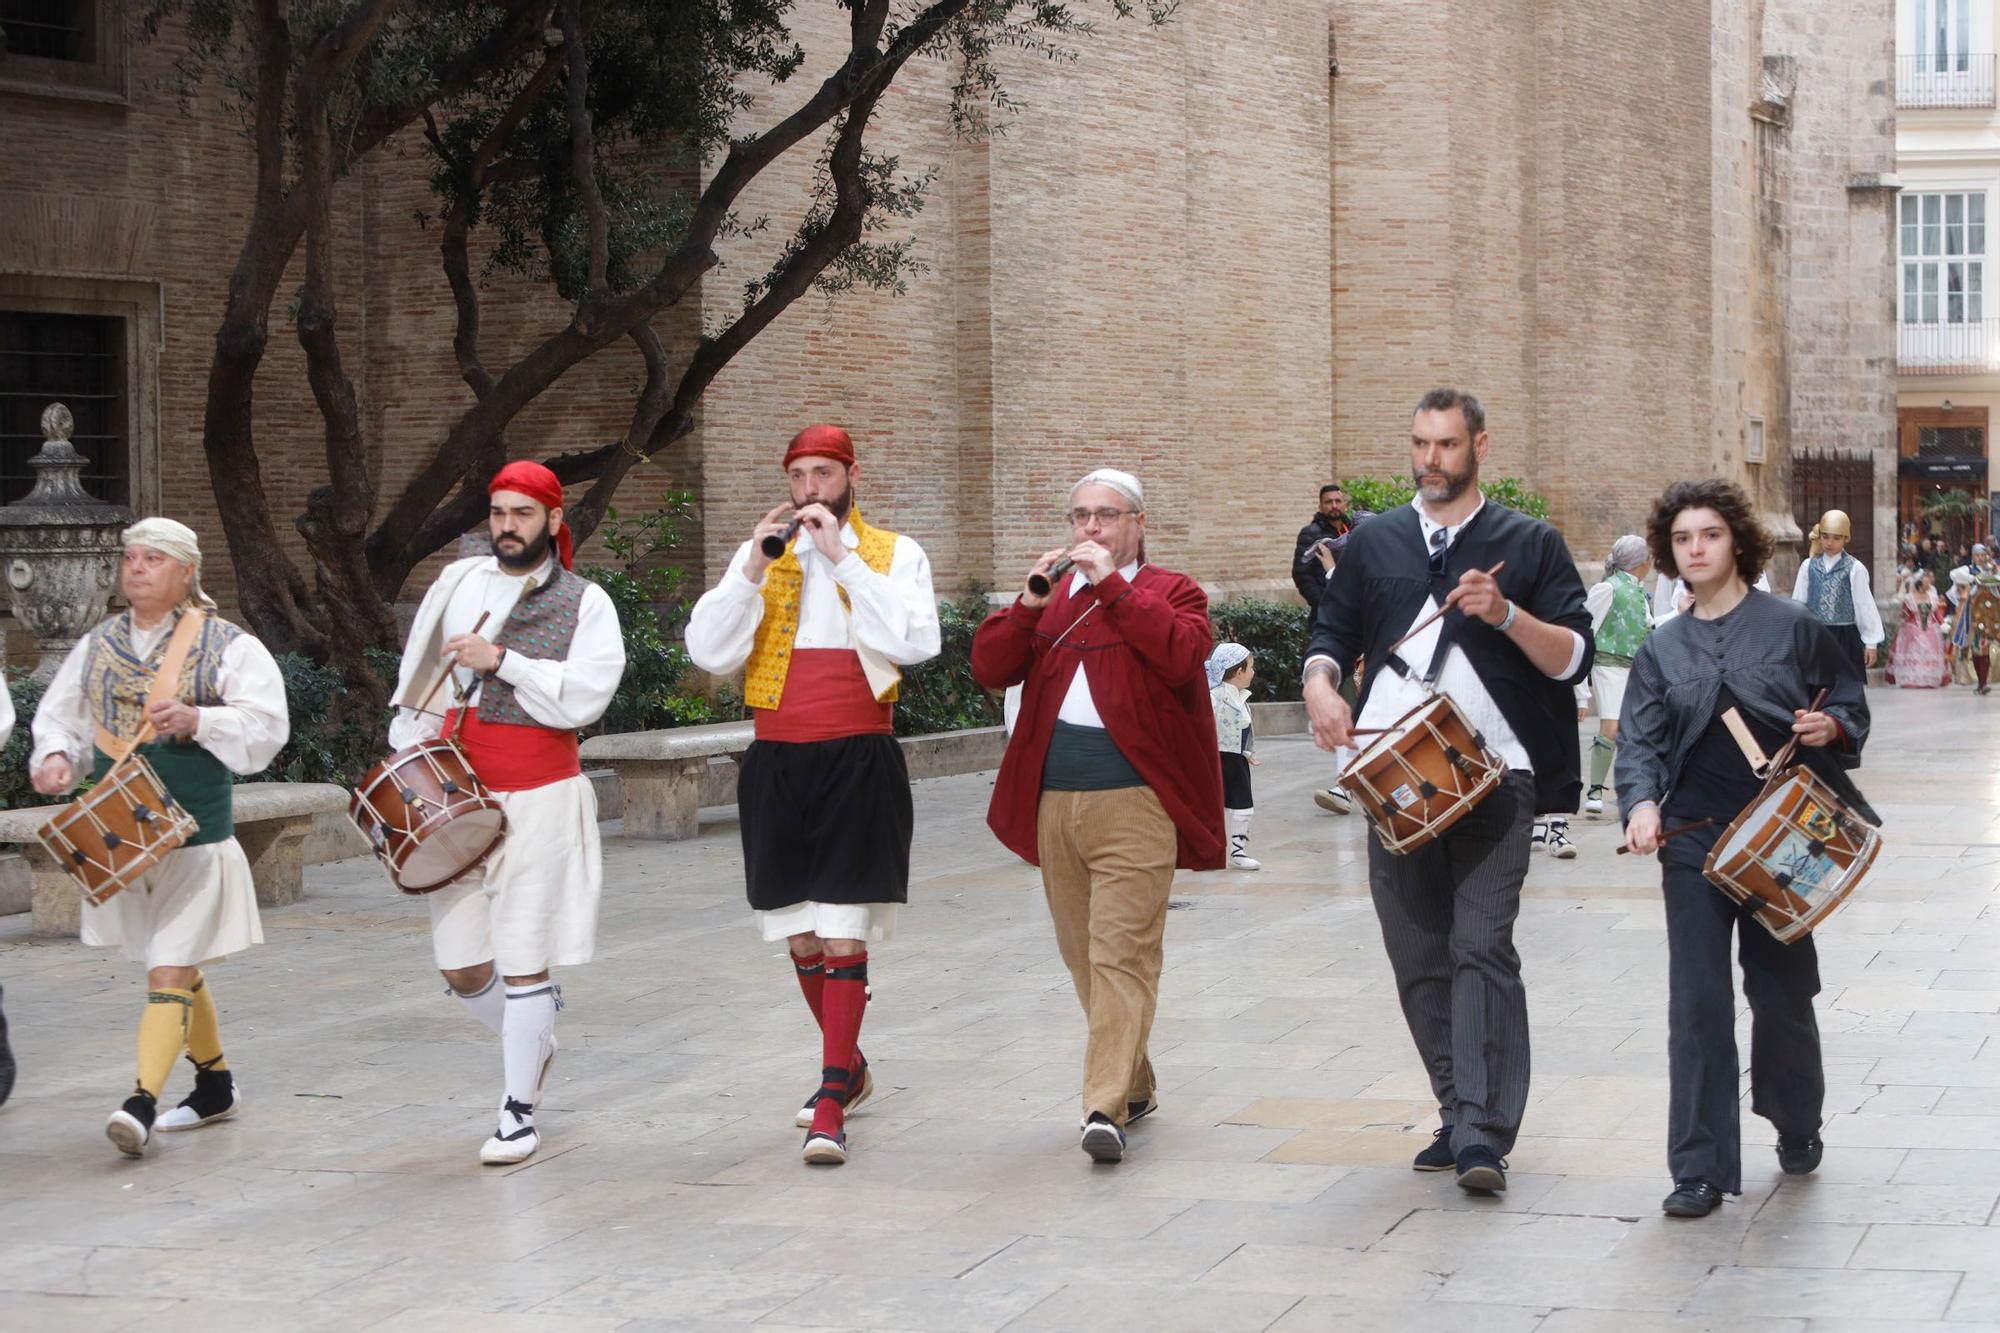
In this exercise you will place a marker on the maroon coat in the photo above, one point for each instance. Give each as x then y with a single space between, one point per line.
1146 643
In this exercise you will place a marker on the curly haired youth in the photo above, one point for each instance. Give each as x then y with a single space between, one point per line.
1726 498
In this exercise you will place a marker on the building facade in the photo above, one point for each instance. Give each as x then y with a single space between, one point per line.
1948 323
1227 254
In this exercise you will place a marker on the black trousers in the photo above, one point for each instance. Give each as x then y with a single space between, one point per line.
1447 911
1787 1079
1851 644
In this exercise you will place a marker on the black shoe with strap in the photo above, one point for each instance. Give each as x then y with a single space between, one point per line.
1140 1110
1691 1198
1799 1154
1437 1154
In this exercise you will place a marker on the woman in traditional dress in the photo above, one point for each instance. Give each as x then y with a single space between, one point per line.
1919 658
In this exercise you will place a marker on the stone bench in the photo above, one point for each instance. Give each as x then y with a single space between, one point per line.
273 820
660 773
665 777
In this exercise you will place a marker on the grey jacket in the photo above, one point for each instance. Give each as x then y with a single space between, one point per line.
1775 656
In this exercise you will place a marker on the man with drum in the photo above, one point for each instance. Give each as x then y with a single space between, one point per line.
534 653
219 711
820 609
1739 659
1111 779
1512 642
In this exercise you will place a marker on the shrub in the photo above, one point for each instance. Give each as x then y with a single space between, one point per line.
1380 494
941 695
16 791
1275 633
330 742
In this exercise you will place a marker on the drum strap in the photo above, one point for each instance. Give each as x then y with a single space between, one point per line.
166 684
1760 763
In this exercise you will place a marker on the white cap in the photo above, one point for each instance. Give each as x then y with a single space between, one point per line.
1124 483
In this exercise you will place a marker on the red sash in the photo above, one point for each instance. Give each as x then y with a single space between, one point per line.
508 757
826 698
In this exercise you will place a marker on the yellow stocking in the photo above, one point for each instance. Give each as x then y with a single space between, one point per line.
163 1032
204 1036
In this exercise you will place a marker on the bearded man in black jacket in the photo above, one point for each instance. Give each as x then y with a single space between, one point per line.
1508 650
1328 531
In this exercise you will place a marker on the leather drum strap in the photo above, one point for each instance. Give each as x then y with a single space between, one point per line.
1760 763
166 684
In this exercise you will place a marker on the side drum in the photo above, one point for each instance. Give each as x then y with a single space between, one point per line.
1794 855
427 815
117 831
1422 775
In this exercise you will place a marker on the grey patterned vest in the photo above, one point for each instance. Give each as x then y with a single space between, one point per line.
541 625
1830 592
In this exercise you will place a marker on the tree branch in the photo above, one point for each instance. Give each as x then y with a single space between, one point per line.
654 400
583 154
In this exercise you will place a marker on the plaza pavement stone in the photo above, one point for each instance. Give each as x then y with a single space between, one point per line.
1271 1191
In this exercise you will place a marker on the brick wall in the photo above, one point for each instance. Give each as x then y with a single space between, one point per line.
1193 255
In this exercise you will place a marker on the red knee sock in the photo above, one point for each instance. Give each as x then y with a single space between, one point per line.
811 969
1982 664
812 981
844 999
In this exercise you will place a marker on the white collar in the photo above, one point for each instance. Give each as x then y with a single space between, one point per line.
1078 579
1431 525
1828 560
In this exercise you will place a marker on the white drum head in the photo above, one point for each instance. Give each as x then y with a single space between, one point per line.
447 852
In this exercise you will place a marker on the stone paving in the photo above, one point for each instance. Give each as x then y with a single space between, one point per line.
1272 1190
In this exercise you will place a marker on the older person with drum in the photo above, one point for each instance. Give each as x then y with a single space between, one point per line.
1713 692
1459 600
201 700
1111 779
519 693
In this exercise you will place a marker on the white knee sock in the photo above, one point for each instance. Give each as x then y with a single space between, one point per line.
1239 830
526 1037
486 1004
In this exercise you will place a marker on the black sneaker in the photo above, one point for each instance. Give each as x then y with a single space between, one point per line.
1691 1198
1140 1110
1104 1141
1437 1155
1798 1154
1480 1168
130 1128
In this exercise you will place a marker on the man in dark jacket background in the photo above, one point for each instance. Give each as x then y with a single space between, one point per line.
1330 527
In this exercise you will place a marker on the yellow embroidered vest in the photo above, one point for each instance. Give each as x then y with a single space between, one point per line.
771 651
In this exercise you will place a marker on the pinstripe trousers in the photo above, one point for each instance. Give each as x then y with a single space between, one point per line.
1447 911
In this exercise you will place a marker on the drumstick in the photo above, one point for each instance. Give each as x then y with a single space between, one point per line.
450 666
1425 623
1792 745
1676 832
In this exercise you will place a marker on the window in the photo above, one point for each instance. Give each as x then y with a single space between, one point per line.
1942 37
1951 442
1942 240
49 29
65 48
76 360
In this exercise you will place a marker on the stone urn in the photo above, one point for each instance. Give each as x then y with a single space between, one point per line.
59 547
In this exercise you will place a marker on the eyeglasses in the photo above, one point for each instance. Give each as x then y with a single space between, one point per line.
1105 517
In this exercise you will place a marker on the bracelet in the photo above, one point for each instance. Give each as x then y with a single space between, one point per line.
1507 622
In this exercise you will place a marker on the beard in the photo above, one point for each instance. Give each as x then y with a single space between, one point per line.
838 506
530 555
1444 492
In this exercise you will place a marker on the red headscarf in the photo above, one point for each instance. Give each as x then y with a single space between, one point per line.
821 442
540 485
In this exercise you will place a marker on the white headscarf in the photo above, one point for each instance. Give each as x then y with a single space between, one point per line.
1225 659
1124 483
176 541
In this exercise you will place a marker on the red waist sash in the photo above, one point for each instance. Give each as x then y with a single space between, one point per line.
508 757
826 698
